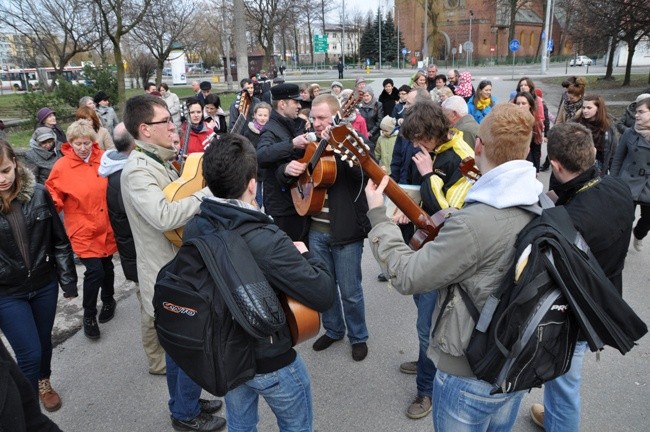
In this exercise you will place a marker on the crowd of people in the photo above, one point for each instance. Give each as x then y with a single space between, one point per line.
98 188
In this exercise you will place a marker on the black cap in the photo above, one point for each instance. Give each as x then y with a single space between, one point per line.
100 96
205 85
285 91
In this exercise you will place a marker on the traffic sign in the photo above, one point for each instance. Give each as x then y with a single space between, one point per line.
468 46
454 50
404 51
549 46
320 43
514 45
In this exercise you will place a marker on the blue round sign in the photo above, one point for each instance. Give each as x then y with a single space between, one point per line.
514 45
404 51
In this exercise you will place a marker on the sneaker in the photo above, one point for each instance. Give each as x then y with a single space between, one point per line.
91 329
201 423
108 312
323 342
537 414
49 398
638 244
410 368
359 351
210 406
382 278
420 407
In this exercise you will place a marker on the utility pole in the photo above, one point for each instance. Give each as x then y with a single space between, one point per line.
343 35
425 46
546 39
241 47
225 34
379 23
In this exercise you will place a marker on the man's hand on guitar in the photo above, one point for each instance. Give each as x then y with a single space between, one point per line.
300 246
375 193
399 217
423 161
294 168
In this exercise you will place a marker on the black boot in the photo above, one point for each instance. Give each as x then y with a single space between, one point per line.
91 329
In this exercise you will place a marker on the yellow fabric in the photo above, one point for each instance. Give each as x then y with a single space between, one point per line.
481 104
455 195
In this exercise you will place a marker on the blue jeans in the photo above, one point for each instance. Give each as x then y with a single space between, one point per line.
99 273
562 396
287 391
183 392
344 262
426 370
27 320
464 404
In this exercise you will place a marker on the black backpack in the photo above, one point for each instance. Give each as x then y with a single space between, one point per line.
205 305
526 332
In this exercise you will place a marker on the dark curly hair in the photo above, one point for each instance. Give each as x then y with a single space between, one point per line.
425 121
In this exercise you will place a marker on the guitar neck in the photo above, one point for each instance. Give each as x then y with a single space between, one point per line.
401 199
239 123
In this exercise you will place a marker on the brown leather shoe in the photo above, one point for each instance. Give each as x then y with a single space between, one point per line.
420 407
49 398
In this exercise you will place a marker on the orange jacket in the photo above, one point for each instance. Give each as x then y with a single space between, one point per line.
80 192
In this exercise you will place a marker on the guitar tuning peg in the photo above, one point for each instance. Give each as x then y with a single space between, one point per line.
350 163
337 150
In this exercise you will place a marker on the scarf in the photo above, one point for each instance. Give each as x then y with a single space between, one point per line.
570 109
481 104
643 131
258 126
596 132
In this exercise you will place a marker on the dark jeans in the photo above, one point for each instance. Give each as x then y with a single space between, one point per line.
99 273
643 225
27 320
426 370
535 155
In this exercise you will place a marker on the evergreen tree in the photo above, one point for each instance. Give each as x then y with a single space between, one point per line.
368 45
389 49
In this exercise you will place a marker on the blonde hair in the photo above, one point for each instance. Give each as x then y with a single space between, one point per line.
506 133
329 99
81 128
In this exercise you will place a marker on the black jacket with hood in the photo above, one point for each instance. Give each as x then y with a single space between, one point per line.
302 276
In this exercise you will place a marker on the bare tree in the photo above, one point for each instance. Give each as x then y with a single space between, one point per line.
166 23
118 18
265 18
55 29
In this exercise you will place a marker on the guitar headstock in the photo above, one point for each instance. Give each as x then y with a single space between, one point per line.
183 112
243 102
469 169
347 143
351 103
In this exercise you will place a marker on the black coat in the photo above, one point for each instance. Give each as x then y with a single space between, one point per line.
304 277
19 407
121 226
49 248
388 101
604 214
274 151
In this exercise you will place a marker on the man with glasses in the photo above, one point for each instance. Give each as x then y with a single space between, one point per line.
452 79
146 173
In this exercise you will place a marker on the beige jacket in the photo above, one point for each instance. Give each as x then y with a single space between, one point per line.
151 214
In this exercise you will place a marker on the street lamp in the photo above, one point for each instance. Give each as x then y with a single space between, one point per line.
469 51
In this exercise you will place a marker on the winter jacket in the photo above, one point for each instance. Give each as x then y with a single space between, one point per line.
469 127
303 277
607 235
112 163
372 112
479 115
40 161
198 141
80 193
384 149
632 164
104 139
347 206
388 101
20 410
108 117
398 111
627 119
49 248
274 151
174 106
144 176
473 249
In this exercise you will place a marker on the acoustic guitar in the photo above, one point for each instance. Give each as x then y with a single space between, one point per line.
353 150
308 193
303 321
243 104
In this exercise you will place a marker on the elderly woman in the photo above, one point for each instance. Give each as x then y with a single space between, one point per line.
36 258
80 193
173 103
103 135
630 163
372 111
47 117
42 154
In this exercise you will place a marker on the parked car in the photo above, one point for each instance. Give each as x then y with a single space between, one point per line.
580 61
167 71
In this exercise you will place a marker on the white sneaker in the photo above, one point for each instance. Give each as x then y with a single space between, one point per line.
638 244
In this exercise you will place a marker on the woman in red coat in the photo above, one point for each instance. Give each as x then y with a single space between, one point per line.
201 132
80 193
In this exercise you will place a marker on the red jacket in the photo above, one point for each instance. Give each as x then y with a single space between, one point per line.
80 192
198 141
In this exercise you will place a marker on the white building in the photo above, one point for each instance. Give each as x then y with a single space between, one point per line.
641 54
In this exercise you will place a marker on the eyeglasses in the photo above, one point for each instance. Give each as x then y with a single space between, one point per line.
168 120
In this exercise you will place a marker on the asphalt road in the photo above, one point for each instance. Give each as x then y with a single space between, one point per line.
105 386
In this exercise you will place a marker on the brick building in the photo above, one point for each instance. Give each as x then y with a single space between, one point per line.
489 28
